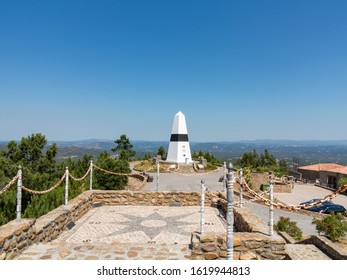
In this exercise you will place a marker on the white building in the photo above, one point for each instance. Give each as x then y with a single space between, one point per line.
179 148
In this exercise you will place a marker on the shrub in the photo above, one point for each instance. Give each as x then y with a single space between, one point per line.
333 226
290 227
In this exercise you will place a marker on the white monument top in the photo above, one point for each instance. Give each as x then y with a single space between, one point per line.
179 148
179 125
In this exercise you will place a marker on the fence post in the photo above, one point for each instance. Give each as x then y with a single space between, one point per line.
241 194
224 176
271 209
230 214
158 170
91 176
202 209
66 185
19 195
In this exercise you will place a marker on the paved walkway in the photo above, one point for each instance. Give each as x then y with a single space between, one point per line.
186 182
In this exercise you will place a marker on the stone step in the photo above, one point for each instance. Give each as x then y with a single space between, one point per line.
305 252
105 251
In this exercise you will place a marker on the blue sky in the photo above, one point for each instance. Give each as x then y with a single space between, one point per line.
238 70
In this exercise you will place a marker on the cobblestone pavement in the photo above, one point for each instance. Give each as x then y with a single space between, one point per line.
105 251
129 232
305 252
141 224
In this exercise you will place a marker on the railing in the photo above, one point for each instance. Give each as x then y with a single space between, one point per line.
66 176
256 196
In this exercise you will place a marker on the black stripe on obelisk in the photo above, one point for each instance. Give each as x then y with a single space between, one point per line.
179 138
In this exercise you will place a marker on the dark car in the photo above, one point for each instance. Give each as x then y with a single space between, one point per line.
310 201
326 207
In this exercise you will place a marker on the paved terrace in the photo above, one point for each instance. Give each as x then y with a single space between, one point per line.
150 232
129 232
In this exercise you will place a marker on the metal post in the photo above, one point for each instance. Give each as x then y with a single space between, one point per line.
202 210
158 168
241 182
271 210
66 185
230 214
224 175
19 195
91 176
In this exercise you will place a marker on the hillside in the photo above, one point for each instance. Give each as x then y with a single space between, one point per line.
307 151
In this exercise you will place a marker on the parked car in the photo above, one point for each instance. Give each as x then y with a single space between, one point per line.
310 201
326 207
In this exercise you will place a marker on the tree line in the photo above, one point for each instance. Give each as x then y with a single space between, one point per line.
41 171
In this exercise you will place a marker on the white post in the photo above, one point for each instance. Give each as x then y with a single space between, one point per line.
230 214
271 210
66 185
224 175
202 210
91 176
19 195
241 182
158 169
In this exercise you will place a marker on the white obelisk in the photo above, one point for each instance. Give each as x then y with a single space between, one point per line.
179 148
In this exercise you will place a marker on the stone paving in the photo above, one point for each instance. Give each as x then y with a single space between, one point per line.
305 252
105 251
129 232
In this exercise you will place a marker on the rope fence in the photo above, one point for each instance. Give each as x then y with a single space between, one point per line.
65 177
9 185
256 196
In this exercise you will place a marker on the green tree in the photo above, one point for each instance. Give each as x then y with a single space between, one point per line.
107 181
290 227
332 225
124 147
283 165
40 172
162 152
147 156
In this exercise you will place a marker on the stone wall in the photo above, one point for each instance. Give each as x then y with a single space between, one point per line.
155 198
327 247
17 236
251 241
247 246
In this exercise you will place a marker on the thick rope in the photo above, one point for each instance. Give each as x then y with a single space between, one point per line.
82 178
9 184
110 172
46 191
283 206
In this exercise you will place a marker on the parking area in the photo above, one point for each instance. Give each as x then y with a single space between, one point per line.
305 192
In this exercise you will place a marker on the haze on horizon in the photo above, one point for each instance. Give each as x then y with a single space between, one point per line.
238 70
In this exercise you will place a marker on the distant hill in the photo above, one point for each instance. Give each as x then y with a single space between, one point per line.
308 151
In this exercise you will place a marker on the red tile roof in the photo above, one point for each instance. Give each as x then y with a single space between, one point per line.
330 167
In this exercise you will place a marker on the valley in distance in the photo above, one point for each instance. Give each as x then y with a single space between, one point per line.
307 151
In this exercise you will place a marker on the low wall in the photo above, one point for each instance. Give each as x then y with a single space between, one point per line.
247 246
327 247
15 237
251 241
155 198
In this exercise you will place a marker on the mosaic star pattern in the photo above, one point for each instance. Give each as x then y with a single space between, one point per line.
142 224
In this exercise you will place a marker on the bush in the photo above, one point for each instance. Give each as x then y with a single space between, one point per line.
333 226
290 227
